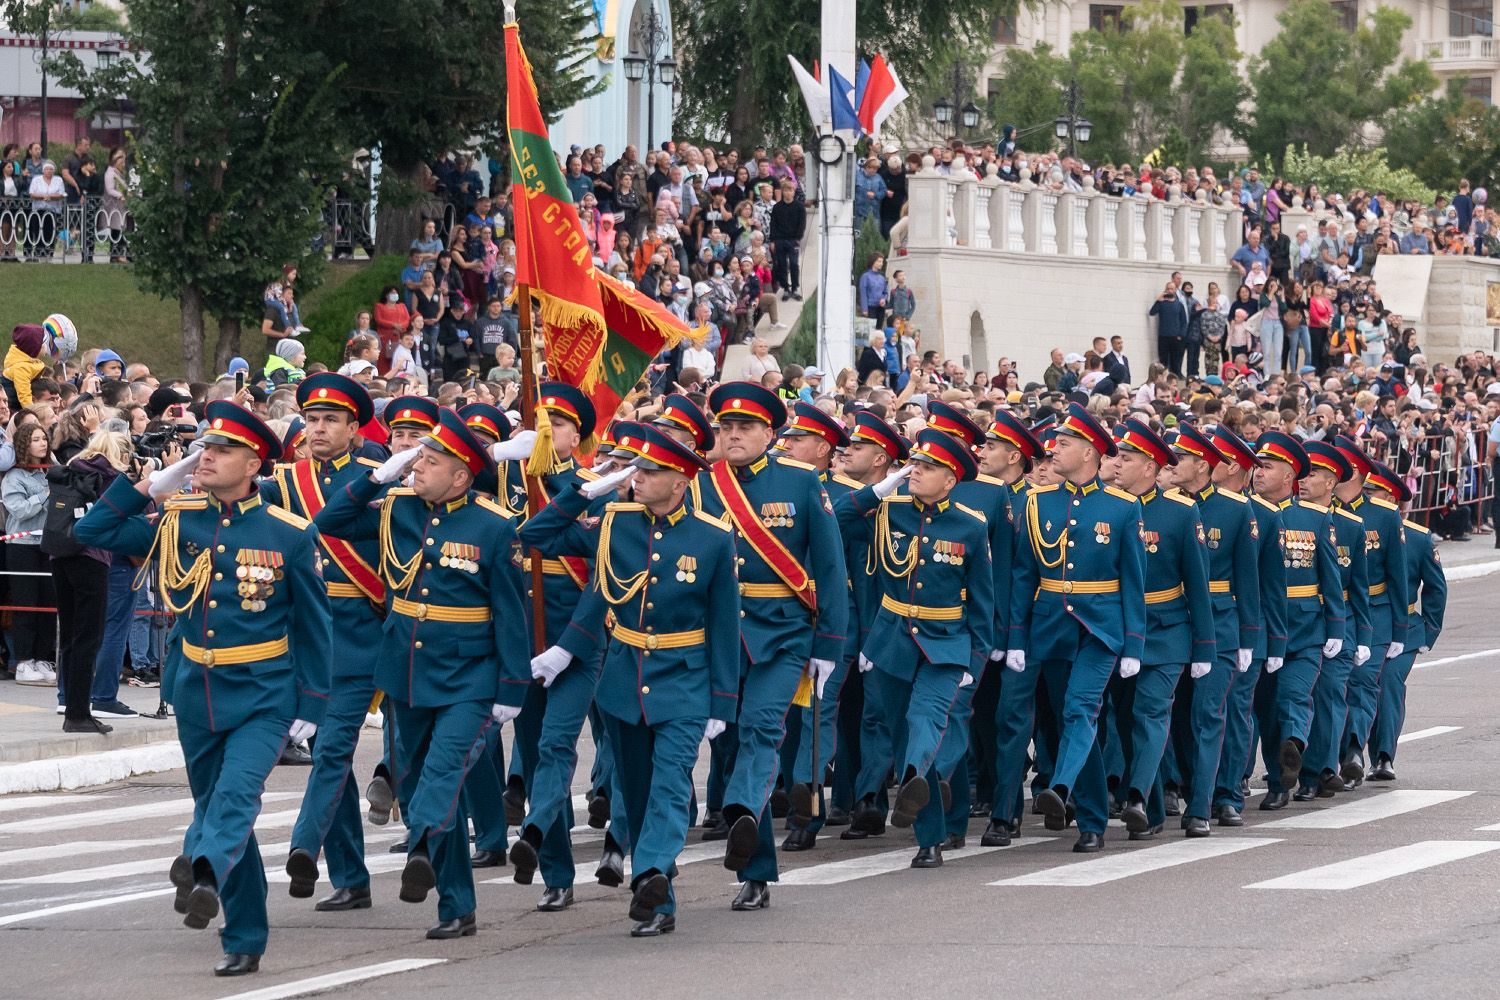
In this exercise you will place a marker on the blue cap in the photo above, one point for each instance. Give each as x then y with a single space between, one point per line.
568 401
1283 448
809 420
228 423
332 391
1213 380
106 356
747 401
951 420
1322 455
486 420
238 365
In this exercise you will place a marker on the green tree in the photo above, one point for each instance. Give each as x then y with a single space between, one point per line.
1318 85
1446 138
1027 95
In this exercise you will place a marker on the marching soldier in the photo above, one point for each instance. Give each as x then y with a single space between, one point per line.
1319 777
935 626
1078 612
665 575
1179 625
453 657
1230 536
252 642
1427 590
334 408
789 551
1385 569
1314 614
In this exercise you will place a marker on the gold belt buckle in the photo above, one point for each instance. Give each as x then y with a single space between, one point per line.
1067 586
651 642
421 612
208 657
912 610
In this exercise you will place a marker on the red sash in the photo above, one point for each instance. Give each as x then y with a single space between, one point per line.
765 544
578 569
340 551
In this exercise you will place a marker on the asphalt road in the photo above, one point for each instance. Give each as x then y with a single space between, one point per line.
1388 891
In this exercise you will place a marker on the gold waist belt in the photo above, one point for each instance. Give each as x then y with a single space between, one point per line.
344 590
438 612
1377 589
663 640
1218 586
766 590
923 612
550 567
1163 596
1081 586
228 656
1306 590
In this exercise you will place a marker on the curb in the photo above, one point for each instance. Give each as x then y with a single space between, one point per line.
86 770
1471 571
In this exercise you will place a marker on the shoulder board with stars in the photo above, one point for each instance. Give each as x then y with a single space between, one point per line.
282 514
976 515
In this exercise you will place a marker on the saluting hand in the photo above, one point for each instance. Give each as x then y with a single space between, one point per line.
518 447
604 484
396 466
164 482
888 485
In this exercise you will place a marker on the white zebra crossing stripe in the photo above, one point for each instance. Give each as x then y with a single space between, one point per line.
870 865
76 848
1380 806
1117 866
318 984
89 904
119 814
691 854
19 802
1371 868
1422 734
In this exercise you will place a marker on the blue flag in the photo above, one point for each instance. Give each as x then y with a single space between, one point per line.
861 78
841 94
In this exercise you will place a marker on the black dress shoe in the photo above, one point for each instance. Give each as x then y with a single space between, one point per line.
715 827
1116 808
598 812
997 834
659 924
181 875
837 817
800 804
303 870
910 800
868 820
487 859
344 899
1197 826
799 839
447 930
233 964
611 870
418 879
1383 770
648 894
399 847
928 857
1274 801
89 725
1304 793
1352 770
1171 802
523 860
555 900
1230 816
753 895
743 841
378 793
1330 783
955 842
1244 788
981 809
1089 843
202 906
1134 816
295 755
1147 834
780 804
1291 761
1054 809
945 792
515 806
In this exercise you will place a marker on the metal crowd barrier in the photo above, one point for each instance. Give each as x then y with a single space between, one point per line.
1445 478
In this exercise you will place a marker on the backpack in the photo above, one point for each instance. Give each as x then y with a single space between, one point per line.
70 493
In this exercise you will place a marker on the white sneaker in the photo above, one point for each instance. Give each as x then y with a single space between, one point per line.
29 673
62 709
778 326
49 669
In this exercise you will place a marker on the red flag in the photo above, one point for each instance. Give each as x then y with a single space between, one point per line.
640 328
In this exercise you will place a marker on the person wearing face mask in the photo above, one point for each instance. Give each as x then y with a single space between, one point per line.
391 317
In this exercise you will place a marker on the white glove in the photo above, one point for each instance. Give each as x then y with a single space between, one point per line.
518 447
165 482
1273 664
1394 650
395 467
604 484
604 463
1332 648
996 655
1423 649
1129 666
546 665
966 679
1199 669
864 664
302 730
820 671
504 713
1242 659
1015 659
888 485
714 729
1361 655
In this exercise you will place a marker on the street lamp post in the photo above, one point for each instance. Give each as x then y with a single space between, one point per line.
1071 125
650 40
943 112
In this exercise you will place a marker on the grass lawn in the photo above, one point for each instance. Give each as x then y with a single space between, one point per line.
110 311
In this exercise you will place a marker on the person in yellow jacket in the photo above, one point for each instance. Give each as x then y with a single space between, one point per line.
23 361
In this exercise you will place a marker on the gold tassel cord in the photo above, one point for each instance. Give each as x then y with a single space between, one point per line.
172 576
615 590
391 563
1040 545
895 564
543 460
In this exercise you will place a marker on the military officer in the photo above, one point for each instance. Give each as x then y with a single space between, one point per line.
1179 623
334 407
491 426
251 642
1427 590
1319 775
935 627
453 657
1385 569
1314 614
1233 475
685 422
1078 612
790 551
1231 535
666 576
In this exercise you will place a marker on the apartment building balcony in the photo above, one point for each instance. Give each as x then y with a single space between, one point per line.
1455 56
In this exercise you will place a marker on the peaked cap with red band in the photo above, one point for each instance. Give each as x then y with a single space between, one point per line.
938 448
482 418
1357 459
681 412
950 420
1234 448
1322 455
568 401
1383 477
661 452
809 420
235 426
747 401
1138 437
1283 448
412 411
332 391
1080 423
628 435
1008 430
1191 441
874 430
452 436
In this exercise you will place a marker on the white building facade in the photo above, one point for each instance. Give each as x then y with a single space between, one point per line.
626 111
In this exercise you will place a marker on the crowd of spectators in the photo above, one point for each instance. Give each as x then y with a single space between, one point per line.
48 209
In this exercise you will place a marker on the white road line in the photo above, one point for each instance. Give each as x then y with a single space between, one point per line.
1380 806
1492 828
835 872
90 904
317 984
1118 866
73 849
1371 868
1444 661
691 854
121 814
377 865
17 803
1422 734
